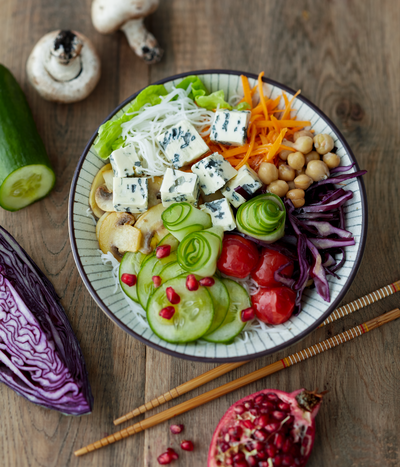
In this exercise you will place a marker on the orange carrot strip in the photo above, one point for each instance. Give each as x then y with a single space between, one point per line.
236 151
288 109
276 124
246 90
249 150
261 92
288 148
275 147
283 123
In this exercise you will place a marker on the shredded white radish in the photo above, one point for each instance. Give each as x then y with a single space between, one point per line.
89 213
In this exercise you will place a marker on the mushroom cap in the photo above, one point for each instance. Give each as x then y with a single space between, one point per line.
108 16
63 91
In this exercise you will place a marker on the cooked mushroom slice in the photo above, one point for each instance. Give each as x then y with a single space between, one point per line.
99 224
118 235
152 228
64 66
97 181
154 191
108 17
108 176
104 199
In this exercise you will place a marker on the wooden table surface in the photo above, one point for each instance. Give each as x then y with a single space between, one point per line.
344 55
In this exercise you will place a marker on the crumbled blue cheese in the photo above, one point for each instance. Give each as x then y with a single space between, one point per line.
182 144
213 171
230 127
130 194
178 186
221 213
126 163
247 179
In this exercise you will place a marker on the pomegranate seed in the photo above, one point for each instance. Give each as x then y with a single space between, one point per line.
207 281
229 461
260 435
268 405
235 432
252 461
164 459
163 251
287 460
272 427
284 407
167 312
175 429
224 447
239 456
249 405
172 296
187 445
156 281
128 279
248 314
262 455
264 464
261 421
258 446
271 450
287 446
278 461
295 451
272 397
248 424
279 440
279 415
259 399
254 412
191 283
241 463
174 455
240 409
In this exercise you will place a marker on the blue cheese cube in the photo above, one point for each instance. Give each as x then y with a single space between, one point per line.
179 186
182 144
130 194
247 179
213 171
230 127
221 213
126 163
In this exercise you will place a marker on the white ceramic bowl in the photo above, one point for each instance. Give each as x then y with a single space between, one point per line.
100 282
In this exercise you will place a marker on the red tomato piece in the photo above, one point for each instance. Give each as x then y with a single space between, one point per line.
269 262
274 305
238 257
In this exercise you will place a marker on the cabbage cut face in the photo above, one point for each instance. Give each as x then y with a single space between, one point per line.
40 357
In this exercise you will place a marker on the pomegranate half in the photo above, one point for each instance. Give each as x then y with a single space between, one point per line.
270 428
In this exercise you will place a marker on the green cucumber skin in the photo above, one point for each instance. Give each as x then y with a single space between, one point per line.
20 142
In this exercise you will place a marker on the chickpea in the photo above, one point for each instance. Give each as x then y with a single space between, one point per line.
300 172
323 143
304 144
280 161
303 181
297 197
296 160
300 133
312 156
286 173
317 170
267 172
284 154
278 187
291 185
331 160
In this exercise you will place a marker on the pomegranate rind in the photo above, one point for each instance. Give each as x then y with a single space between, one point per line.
304 420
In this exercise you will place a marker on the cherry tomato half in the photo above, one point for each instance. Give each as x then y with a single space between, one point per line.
269 262
274 305
238 257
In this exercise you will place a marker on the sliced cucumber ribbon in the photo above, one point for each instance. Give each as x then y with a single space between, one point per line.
262 217
182 218
198 252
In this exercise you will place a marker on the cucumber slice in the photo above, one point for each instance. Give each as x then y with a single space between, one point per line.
170 240
170 271
131 264
161 263
144 284
193 315
220 297
232 324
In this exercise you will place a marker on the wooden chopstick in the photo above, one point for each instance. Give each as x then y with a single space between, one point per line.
226 368
243 381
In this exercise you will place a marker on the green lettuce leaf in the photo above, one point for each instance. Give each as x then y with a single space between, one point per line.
109 137
198 87
212 101
242 106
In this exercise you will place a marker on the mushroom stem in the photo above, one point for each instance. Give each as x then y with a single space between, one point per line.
142 41
64 62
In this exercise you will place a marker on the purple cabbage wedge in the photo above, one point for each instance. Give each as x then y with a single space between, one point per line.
40 357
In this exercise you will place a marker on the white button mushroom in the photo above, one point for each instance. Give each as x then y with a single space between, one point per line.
109 16
63 67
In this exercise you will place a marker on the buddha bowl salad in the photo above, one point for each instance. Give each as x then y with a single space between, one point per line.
217 215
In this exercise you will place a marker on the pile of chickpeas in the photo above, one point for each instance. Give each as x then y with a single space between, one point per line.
296 171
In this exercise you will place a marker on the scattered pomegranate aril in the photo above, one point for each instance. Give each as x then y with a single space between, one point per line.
248 314
207 281
128 279
191 283
167 312
187 445
163 251
164 459
172 296
156 281
174 455
277 429
175 429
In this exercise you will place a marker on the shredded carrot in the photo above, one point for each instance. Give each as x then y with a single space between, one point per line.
261 92
251 145
286 114
246 90
276 124
275 147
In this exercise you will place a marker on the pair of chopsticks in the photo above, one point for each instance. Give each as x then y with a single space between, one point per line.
251 377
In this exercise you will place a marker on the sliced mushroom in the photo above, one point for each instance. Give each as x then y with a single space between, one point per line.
154 186
99 224
97 181
118 235
152 228
108 176
104 199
